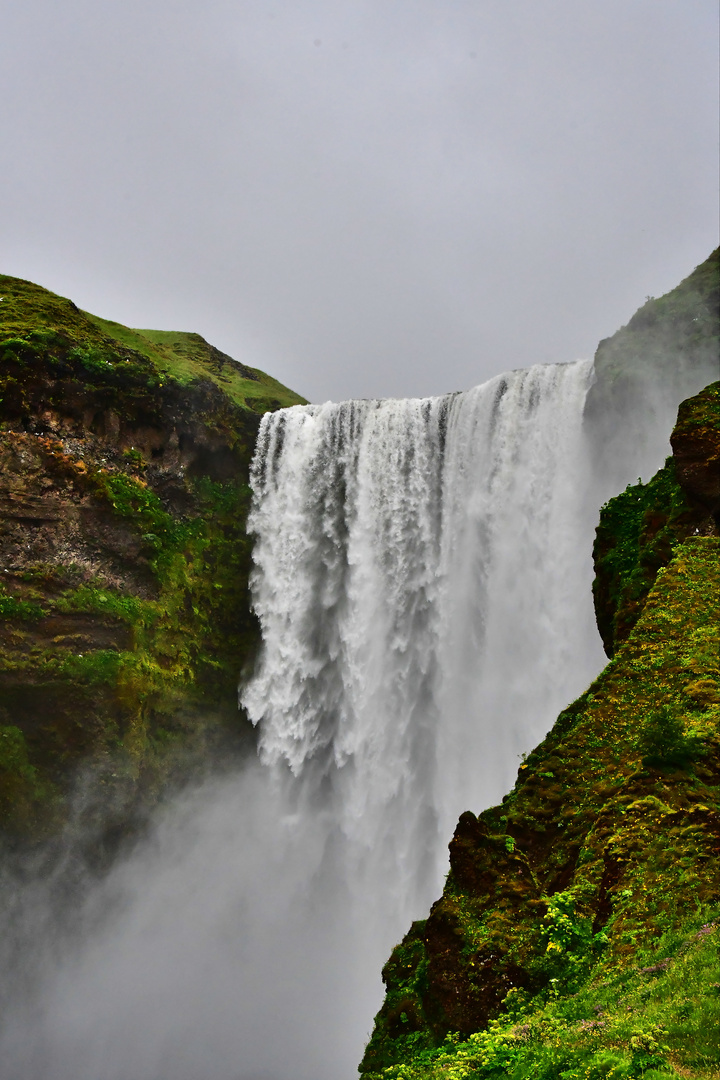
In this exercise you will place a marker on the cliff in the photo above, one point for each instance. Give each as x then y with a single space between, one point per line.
124 607
667 352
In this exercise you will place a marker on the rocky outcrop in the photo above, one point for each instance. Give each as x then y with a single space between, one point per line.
639 529
696 451
124 606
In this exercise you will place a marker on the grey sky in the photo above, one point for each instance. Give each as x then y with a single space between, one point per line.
390 197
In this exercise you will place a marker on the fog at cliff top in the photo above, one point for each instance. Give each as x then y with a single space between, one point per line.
364 198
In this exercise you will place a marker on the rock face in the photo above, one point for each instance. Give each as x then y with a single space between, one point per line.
124 611
669 350
696 451
639 529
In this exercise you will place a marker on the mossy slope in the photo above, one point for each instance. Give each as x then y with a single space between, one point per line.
667 352
186 357
39 318
679 329
124 606
639 529
598 878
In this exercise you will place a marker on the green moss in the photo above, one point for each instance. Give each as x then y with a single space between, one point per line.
404 1032
701 411
88 598
24 796
36 323
184 357
12 608
52 665
94 360
133 499
636 535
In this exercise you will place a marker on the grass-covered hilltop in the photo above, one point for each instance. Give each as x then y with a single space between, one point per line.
578 934
124 608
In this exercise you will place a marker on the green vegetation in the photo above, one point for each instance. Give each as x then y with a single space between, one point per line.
24 797
656 1019
36 323
666 744
185 357
12 608
637 534
700 413
672 341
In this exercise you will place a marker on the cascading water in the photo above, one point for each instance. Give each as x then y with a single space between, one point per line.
422 593
422 581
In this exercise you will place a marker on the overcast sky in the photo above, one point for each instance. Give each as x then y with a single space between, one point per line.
388 197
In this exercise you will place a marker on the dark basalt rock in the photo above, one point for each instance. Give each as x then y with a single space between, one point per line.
696 449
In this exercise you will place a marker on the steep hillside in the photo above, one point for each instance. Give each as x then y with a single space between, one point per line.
578 930
124 608
676 331
668 351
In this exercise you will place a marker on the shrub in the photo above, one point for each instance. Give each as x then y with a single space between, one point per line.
12 608
664 743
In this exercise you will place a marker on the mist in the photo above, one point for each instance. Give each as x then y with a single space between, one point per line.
199 955
364 199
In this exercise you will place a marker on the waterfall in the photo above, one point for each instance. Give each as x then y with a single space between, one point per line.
422 580
422 586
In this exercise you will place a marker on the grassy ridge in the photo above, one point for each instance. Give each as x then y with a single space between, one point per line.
33 317
186 356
